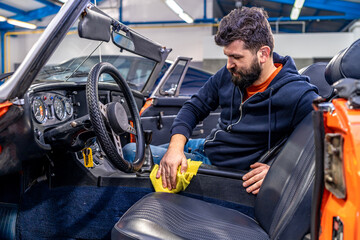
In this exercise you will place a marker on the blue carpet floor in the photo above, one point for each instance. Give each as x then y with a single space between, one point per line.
80 212
73 212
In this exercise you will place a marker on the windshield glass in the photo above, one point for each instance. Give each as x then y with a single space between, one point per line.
75 56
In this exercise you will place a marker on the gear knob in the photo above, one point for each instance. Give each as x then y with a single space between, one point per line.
148 137
149 161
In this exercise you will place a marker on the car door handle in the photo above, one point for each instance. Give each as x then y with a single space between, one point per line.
160 124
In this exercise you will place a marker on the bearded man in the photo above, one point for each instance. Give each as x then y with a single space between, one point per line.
262 99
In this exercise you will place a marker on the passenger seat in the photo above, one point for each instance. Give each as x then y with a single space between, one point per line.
316 73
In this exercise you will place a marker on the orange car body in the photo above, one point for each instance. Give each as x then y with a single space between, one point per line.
344 121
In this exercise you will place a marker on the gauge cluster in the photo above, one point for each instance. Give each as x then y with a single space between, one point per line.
51 108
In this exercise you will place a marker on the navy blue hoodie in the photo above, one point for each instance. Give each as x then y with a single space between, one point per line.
247 130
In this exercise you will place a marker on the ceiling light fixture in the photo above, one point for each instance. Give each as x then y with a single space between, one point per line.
21 24
184 16
299 3
179 11
3 19
295 11
174 6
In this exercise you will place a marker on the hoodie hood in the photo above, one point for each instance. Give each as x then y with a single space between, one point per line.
288 74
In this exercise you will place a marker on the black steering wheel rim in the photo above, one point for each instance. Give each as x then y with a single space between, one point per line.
98 124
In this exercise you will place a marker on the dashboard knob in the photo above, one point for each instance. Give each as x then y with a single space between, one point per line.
73 124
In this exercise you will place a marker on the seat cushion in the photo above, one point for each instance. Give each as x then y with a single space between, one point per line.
173 216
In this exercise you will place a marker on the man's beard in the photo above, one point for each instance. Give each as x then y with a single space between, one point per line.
246 78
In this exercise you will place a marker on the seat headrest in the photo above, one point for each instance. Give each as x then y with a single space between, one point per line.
316 73
345 64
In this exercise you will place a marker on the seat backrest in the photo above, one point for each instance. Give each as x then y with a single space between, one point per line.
283 205
316 73
345 64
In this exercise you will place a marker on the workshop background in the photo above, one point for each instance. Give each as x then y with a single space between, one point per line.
309 31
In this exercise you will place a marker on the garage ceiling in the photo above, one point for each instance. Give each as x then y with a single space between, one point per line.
315 16
26 11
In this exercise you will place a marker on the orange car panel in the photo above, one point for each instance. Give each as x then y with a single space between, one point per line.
345 121
4 107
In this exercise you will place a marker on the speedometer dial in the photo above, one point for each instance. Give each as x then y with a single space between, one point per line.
69 108
59 107
39 110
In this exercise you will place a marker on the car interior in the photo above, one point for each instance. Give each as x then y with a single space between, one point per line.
48 140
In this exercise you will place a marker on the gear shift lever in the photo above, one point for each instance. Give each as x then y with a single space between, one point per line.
148 162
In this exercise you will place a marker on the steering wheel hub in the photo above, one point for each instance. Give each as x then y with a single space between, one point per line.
117 118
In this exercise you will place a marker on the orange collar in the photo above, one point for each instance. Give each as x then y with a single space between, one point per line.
262 86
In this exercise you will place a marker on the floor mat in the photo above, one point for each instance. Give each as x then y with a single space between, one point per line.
85 212
74 212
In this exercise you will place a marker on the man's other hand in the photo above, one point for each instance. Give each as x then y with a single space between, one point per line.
254 179
173 158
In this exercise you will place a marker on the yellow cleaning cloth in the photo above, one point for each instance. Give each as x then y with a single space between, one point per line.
183 179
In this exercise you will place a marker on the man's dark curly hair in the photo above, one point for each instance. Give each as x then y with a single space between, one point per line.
249 25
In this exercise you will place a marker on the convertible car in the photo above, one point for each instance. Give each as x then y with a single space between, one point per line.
62 171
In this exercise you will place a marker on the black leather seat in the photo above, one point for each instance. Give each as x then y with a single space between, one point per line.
316 73
282 207
342 65
345 64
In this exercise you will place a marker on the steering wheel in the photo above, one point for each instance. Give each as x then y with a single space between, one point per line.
111 119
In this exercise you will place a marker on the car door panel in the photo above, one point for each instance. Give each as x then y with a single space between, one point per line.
159 117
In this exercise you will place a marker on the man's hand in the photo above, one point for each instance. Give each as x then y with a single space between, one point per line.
254 178
173 158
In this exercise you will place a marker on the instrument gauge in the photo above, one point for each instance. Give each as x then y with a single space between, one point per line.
59 107
39 110
68 108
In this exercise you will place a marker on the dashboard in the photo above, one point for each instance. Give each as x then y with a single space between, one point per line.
54 119
50 108
58 112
